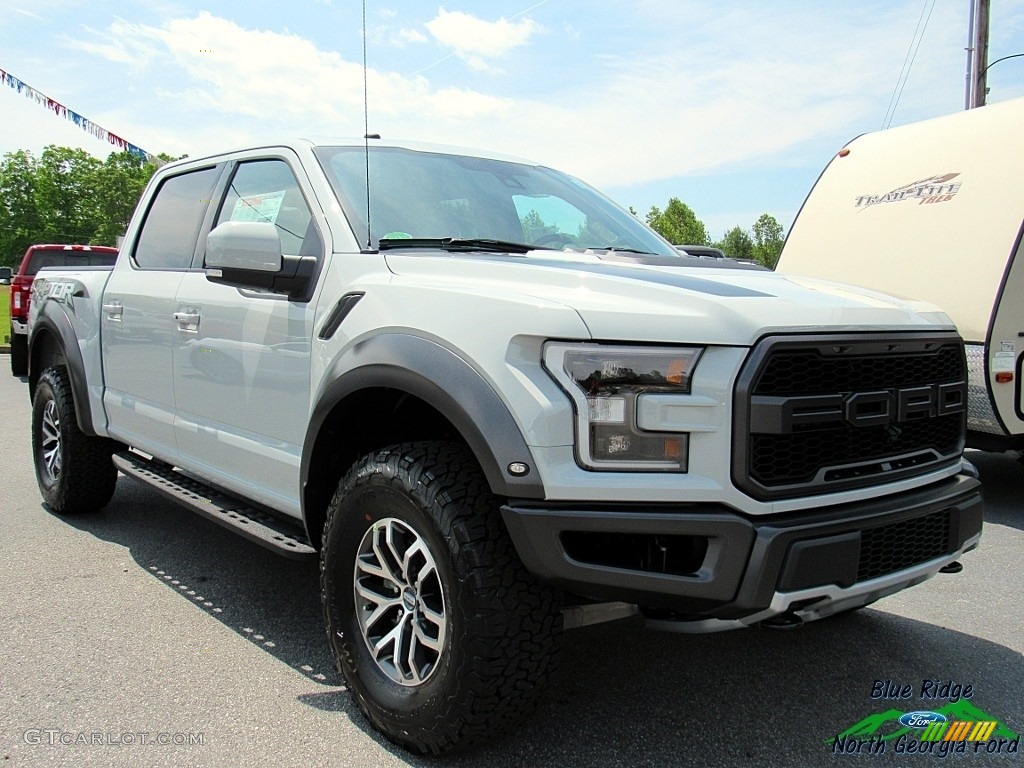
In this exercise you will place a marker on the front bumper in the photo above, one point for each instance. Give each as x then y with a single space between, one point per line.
710 565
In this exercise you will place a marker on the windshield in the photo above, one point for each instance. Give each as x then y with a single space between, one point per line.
426 195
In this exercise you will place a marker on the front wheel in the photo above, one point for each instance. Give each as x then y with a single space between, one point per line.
74 471
442 635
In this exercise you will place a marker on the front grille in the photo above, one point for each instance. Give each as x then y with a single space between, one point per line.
785 459
804 372
891 548
816 415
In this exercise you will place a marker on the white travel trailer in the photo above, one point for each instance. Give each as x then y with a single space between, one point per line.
934 211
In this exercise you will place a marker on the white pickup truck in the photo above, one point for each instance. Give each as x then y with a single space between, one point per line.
495 405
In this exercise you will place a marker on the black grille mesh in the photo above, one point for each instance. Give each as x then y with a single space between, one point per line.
797 458
807 372
892 548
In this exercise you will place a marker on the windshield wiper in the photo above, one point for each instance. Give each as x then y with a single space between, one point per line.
459 244
620 249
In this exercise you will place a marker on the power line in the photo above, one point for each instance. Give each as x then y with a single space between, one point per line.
908 62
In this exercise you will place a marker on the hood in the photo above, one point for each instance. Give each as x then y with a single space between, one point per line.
623 299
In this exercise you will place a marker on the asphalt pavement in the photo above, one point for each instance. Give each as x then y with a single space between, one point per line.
146 635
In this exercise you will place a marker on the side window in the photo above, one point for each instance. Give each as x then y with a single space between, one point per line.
168 236
266 190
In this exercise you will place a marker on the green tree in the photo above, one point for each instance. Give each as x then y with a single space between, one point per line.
19 218
533 224
119 185
678 223
737 244
769 237
66 195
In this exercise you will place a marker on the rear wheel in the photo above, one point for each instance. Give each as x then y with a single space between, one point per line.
442 635
74 470
19 354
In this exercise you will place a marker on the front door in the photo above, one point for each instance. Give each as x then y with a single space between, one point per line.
242 359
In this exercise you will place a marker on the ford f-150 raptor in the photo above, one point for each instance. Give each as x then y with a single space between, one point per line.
494 405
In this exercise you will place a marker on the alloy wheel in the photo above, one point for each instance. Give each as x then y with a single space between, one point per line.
400 605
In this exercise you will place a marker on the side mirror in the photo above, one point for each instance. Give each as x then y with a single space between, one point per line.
251 246
247 254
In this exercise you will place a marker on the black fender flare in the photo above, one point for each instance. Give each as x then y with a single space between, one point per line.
442 378
54 322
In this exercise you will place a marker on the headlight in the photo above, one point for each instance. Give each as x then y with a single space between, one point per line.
605 384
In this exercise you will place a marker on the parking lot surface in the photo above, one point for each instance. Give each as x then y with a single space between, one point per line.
145 635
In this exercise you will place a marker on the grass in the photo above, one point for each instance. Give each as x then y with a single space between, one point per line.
5 314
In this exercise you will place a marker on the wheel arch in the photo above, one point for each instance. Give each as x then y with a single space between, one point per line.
53 342
421 388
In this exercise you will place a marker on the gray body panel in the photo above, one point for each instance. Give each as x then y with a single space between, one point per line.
137 362
241 388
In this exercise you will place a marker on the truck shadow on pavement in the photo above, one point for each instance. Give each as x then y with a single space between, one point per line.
623 695
272 601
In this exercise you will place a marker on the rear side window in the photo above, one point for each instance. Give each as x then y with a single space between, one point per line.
168 236
72 259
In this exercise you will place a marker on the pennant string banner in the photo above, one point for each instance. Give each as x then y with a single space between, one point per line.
84 123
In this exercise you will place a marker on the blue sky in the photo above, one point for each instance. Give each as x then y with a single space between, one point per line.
734 107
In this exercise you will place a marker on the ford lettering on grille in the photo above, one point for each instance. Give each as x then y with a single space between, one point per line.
784 415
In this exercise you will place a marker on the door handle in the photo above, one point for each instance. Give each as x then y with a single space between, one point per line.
113 311
187 321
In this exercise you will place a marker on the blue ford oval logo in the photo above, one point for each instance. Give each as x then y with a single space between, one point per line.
921 719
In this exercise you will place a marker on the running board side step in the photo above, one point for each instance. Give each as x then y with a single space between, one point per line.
232 513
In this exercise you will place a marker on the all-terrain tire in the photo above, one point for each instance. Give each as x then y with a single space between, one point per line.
19 354
465 637
74 470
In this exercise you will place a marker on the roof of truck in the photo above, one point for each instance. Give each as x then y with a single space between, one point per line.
300 143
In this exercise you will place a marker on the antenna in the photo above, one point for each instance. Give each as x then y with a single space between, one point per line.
366 132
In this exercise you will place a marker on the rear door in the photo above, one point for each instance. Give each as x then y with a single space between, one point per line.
138 323
242 357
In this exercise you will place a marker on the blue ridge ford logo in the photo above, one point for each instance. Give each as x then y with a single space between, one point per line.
921 719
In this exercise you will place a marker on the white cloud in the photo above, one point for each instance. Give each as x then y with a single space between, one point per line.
409 35
651 112
708 104
124 43
735 106
246 83
476 41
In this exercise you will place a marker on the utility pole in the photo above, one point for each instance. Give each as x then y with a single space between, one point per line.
978 54
969 76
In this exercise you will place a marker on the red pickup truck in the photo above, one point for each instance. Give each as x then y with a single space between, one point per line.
37 257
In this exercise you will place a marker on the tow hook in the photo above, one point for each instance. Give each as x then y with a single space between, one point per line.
955 567
783 621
